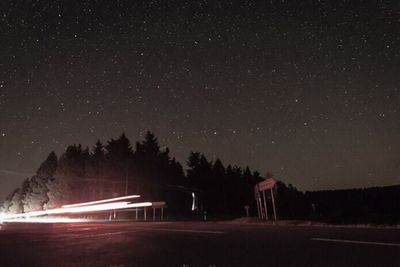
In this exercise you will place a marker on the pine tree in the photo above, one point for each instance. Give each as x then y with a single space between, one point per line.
98 151
218 169
36 194
12 203
248 187
200 170
193 163
49 166
33 193
59 192
175 173
151 163
151 146
73 161
119 149
98 159
119 156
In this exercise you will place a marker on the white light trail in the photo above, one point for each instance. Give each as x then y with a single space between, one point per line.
47 220
100 201
101 207
194 201
27 217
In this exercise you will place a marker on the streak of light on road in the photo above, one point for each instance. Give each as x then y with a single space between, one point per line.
84 209
100 201
47 220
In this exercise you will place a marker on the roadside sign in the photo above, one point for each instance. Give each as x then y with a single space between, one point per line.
263 186
267 184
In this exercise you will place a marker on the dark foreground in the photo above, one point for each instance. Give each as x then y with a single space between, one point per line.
195 244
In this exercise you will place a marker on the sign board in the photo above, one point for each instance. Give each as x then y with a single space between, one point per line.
263 186
266 184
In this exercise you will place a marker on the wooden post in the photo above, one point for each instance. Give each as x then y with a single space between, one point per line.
246 208
261 208
265 204
273 203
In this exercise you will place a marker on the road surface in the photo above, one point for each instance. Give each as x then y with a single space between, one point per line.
195 244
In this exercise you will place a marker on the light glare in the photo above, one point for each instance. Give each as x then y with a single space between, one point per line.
27 217
100 201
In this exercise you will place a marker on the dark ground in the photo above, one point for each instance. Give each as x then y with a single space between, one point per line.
195 244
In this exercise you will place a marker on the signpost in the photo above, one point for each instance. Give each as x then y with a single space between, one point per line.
267 184
265 205
257 197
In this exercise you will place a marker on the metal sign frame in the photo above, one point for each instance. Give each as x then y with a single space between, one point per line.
260 188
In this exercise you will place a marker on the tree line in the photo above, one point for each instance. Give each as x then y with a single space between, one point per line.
117 168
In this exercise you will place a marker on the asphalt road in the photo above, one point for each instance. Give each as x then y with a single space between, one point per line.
195 244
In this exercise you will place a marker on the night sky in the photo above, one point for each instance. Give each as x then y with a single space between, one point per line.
308 90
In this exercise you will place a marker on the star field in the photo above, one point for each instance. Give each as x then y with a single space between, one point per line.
308 90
